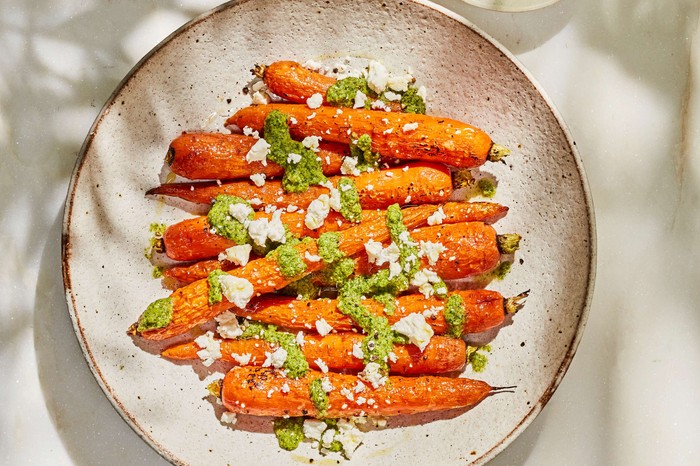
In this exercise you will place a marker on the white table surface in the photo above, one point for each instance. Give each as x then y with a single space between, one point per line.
625 75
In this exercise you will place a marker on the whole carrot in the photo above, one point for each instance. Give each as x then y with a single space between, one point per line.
192 239
419 183
485 309
441 355
212 156
189 306
400 135
245 391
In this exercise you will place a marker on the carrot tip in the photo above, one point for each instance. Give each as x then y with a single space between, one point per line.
497 153
258 70
515 303
508 243
462 178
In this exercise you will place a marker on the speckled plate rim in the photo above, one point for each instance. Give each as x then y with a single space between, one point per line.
68 209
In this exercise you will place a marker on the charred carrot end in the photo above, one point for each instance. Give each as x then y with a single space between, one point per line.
259 391
397 135
497 153
515 303
336 350
508 243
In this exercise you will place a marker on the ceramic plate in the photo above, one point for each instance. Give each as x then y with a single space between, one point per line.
194 79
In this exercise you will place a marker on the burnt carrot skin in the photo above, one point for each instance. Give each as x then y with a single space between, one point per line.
423 182
192 239
435 139
485 310
212 156
471 249
245 391
293 82
441 355
190 304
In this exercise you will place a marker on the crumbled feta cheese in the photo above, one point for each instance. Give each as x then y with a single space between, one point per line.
228 326
237 290
361 400
347 394
370 187
392 96
327 438
379 105
437 217
405 238
360 100
260 98
357 350
227 417
399 83
275 359
311 257
422 93
414 326
322 327
258 179
432 311
372 375
349 166
248 131
389 174
312 142
293 158
300 339
275 228
393 357
378 77
240 212
258 152
409 127
285 388
315 101
405 168
326 385
349 436
242 359
239 254
321 365
257 229
312 116
359 386
210 348
292 208
255 201
377 254
313 429
408 199
317 212
432 251
394 269
388 131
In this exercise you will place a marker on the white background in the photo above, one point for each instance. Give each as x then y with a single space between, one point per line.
625 75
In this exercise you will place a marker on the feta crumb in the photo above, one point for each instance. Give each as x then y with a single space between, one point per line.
379 105
377 254
360 100
228 325
414 326
257 229
242 359
313 429
258 179
349 436
255 201
388 131
349 166
326 385
422 93
409 127
312 116
378 77
237 290
432 251
293 120
361 400
240 212
327 438
372 375
357 350
227 417
292 208
293 158
239 254
275 228
347 394
300 339
260 98
258 152
392 96
312 142
311 257
315 101
370 187
394 269
399 83
317 212
275 359
437 217
210 348
248 131
322 327
285 388
321 365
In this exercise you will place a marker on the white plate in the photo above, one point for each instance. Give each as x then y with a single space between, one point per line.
193 74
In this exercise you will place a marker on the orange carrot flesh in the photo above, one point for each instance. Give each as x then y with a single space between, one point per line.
294 83
470 249
192 239
485 310
434 139
421 183
441 355
202 156
245 391
190 304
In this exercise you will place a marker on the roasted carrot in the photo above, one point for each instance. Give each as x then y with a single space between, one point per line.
485 309
245 391
190 304
470 249
192 239
293 82
442 354
420 183
403 136
212 156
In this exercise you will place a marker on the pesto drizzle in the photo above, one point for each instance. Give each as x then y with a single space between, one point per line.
223 224
318 396
455 315
289 432
215 295
158 314
350 207
295 364
361 149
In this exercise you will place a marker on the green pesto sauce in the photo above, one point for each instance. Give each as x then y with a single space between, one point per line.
289 259
361 149
223 224
487 187
343 92
408 249
158 314
303 287
215 295
297 176
502 270
455 315
155 242
295 364
388 300
350 207
411 102
158 271
328 247
318 396
338 272
477 358
289 432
